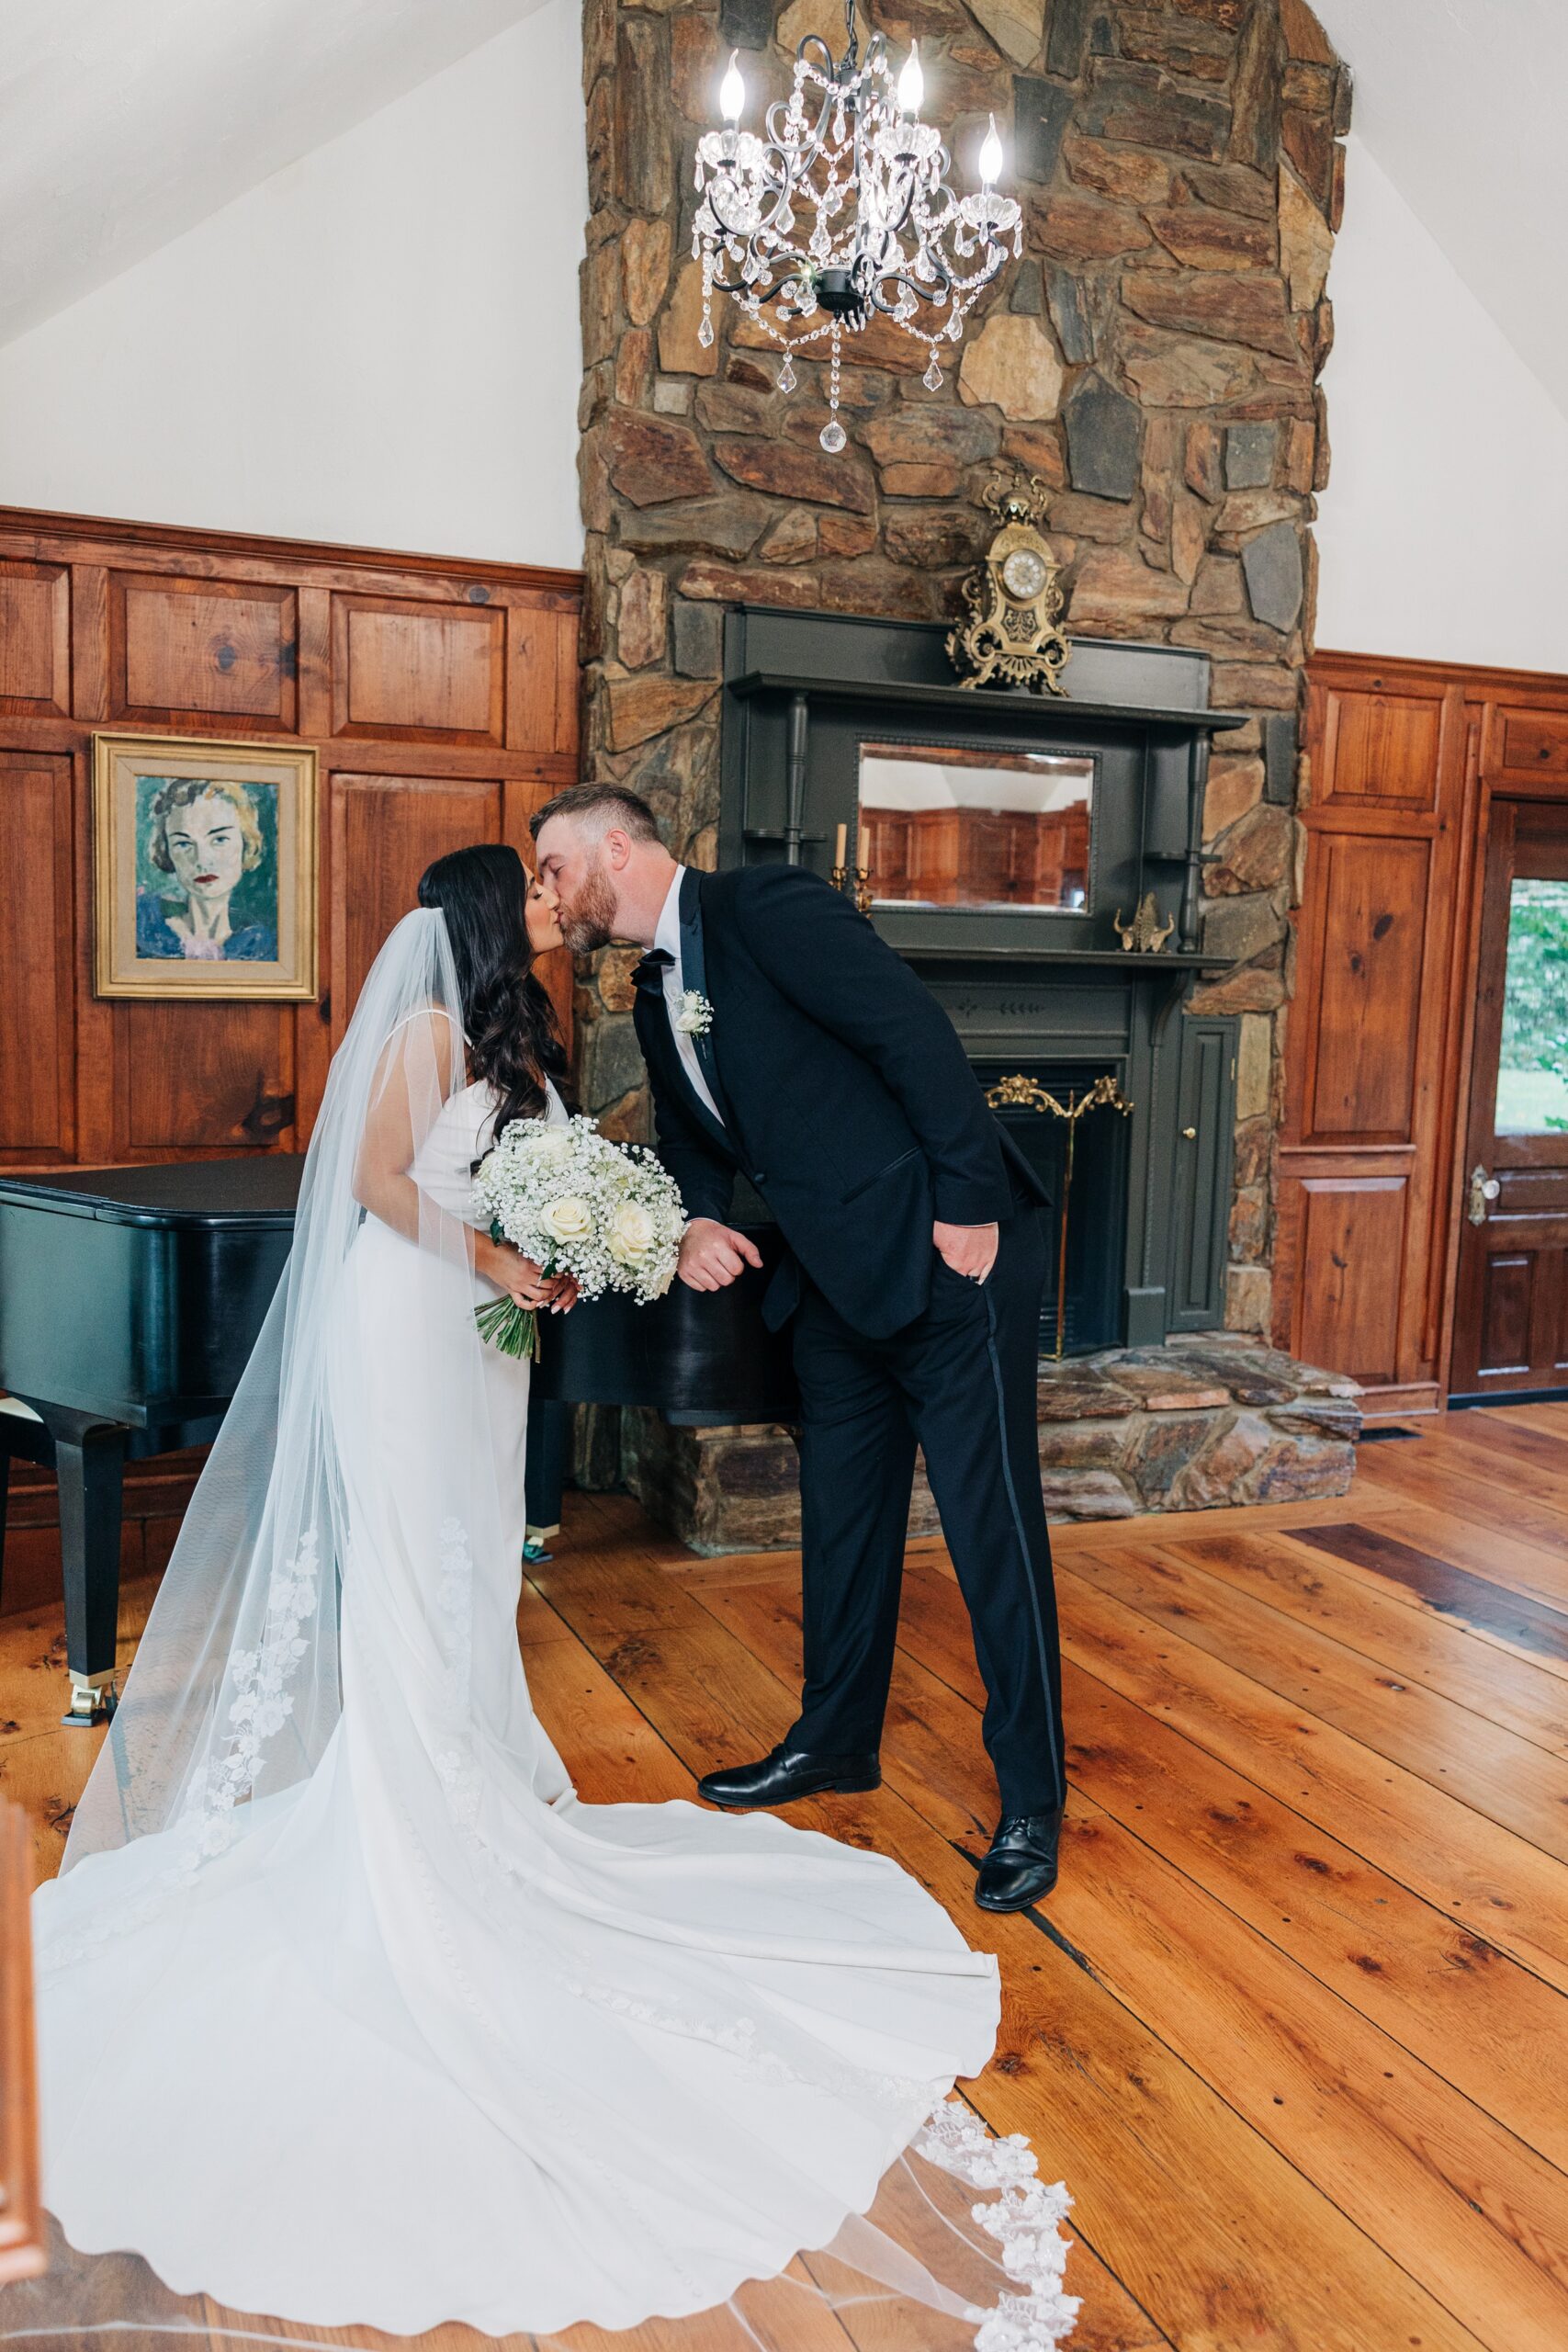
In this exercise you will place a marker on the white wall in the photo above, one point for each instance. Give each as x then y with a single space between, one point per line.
380 345
1442 531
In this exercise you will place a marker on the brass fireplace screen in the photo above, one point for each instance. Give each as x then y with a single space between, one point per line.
1020 1093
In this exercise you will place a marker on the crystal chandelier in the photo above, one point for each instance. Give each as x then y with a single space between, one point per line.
842 212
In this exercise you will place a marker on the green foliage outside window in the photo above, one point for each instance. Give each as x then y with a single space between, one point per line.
1533 1070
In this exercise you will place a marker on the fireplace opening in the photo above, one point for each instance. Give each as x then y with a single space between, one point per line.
1091 1197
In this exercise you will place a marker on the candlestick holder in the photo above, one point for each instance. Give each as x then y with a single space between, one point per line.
840 877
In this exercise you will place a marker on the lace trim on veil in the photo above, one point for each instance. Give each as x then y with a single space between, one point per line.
260 1704
1025 2218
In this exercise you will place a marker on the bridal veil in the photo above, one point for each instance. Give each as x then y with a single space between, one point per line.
499 2059
234 1691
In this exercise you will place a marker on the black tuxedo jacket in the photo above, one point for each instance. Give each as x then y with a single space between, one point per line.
845 1093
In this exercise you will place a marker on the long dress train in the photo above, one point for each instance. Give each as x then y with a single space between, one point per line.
416 2036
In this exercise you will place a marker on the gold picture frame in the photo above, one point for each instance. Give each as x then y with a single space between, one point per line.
208 892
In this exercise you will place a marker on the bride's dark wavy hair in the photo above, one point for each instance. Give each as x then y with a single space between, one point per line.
513 1037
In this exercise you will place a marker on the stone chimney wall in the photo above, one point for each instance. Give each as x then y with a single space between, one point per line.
1152 359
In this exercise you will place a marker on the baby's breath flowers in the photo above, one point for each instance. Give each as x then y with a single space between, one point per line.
577 1203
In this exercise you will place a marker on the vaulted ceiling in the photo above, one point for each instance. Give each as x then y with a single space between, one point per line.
1461 103
125 122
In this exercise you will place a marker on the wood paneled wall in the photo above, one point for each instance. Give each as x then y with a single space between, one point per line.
1405 759
441 697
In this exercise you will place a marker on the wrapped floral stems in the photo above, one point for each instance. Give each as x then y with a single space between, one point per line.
576 1204
510 1329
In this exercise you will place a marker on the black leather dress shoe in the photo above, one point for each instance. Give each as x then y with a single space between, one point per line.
786 1774
1021 1864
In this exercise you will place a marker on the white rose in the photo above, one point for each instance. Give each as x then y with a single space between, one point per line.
551 1147
569 1219
631 1233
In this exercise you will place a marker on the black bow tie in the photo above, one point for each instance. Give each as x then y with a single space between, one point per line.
649 973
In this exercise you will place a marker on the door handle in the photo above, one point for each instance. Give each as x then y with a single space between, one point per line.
1483 1191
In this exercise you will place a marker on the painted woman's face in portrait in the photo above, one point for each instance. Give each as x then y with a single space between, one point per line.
207 847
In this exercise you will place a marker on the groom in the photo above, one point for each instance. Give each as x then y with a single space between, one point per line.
784 1039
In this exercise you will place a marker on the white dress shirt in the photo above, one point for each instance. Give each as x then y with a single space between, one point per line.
667 937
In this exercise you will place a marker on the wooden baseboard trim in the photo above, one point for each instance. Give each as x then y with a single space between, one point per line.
1389 1404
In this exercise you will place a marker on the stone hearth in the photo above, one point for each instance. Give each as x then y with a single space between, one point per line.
1207 1420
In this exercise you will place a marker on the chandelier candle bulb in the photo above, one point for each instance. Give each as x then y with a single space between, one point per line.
990 155
841 845
862 849
912 82
732 93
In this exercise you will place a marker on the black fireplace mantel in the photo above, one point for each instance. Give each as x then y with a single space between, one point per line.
1047 993
804 690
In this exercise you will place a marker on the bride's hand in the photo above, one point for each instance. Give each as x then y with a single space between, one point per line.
521 1280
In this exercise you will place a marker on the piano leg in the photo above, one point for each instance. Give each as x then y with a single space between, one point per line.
89 1462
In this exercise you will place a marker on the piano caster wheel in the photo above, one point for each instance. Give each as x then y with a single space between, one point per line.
91 1703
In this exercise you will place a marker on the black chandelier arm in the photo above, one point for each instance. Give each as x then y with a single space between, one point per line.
724 183
976 280
830 73
777 292
876 293
804 158
832 98
896 228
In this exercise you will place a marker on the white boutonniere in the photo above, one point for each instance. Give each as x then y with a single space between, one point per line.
696 1016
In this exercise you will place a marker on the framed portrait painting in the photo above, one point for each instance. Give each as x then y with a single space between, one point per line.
204 867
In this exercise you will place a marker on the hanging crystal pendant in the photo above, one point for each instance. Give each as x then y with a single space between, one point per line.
883 230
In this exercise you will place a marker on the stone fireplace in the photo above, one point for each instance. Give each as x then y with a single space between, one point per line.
1038 992
1024 950
1152 359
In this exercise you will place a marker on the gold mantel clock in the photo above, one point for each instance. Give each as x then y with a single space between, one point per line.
1012 635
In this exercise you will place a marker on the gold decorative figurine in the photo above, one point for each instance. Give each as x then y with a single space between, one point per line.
1013 637
1145 935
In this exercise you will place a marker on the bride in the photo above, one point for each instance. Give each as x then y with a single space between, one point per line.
349 2011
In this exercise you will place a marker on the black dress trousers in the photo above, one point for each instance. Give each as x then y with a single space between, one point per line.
959 1382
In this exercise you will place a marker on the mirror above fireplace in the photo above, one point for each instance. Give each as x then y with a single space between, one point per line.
955 825
1004 835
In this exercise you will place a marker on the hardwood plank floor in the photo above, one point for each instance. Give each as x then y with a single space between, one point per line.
1294 2026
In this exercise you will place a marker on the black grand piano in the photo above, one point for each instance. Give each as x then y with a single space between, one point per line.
131 1299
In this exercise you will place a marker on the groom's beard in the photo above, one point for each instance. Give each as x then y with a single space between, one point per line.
590 921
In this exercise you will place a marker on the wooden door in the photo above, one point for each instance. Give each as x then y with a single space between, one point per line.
1511 1311
1371 1036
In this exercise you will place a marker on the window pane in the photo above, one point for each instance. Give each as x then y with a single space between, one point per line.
1532 1069
951 827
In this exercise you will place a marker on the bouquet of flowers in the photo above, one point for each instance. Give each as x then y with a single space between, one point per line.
579 1204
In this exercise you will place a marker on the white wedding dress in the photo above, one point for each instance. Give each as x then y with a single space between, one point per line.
360 2016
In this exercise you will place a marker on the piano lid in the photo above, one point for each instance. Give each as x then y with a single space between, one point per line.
260 1193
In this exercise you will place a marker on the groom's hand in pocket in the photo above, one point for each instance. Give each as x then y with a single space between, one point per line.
969 1250
715 1255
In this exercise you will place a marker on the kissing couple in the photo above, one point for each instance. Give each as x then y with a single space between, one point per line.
335 1940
